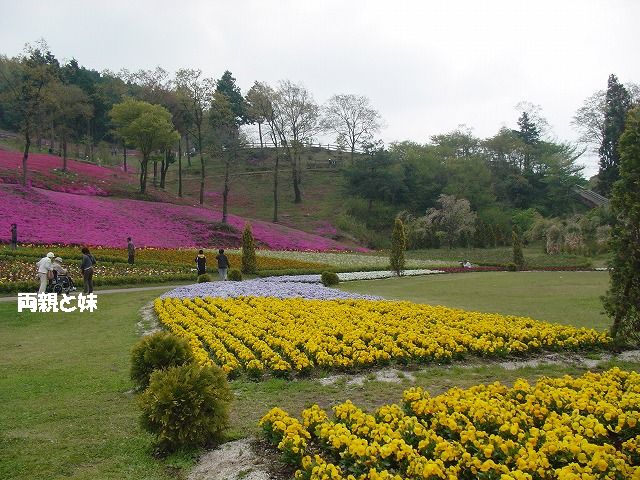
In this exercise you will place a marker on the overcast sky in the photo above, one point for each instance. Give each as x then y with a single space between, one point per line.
427 66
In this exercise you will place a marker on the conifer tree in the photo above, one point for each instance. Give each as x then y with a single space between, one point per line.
249 262
617 104
622 301
398 246
518 256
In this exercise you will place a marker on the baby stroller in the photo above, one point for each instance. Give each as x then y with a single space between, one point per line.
60 284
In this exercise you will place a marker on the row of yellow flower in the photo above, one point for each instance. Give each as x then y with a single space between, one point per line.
565 428
281 335
177 256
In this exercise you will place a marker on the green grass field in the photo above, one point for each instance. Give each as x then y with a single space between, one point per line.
68 411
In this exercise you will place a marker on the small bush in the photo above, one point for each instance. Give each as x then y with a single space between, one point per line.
186 406
205 277
249 262
512 267
234 275
155 352
329 279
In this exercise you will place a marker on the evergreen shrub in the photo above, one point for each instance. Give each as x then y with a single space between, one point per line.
186 406
235 275
329 279
155 352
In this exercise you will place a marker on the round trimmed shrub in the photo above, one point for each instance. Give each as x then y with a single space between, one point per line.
205 277
512 267
235 275
186 406
155 352
329 279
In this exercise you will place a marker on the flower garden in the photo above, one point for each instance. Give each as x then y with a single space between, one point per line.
565 428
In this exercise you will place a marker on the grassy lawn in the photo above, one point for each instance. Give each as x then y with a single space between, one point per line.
64 389
570 298
534 256
68 411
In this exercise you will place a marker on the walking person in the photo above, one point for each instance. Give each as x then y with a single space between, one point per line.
131 250
223 264
88 261
201 263
45 271
14 236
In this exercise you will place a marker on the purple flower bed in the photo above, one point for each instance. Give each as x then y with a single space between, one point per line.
48 217
261 288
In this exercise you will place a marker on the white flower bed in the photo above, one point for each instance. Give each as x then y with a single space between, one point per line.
348 276
262 288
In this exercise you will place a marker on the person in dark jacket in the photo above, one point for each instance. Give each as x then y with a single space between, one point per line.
223 264
88 261
131 250
201 263
14 236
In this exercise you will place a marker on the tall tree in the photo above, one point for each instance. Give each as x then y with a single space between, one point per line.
226 139
530 135
195 93
146 126
27 86
227 86
622 301
297 116
71 110
352 118
617 104
261 98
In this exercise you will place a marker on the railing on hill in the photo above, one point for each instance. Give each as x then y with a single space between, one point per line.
330 147
590 197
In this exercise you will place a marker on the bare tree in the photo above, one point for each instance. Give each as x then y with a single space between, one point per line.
195 95
261 98
296 115
352 118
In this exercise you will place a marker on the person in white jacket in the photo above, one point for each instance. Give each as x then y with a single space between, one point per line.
45 265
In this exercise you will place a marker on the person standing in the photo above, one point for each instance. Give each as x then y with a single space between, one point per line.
14 236
44 267
223 264
201 263
88 261
131 250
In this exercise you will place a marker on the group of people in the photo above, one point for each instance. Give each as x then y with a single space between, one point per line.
50 267
222 260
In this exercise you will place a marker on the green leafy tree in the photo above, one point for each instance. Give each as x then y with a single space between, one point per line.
27 79
518 256
146 126
622 301
617 104
227 86
249 262
398 247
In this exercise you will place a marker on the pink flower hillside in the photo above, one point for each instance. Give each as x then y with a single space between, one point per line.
45 216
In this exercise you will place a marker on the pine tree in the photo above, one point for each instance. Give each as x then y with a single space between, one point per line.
617 104
518 256
249 262
398 246
622 301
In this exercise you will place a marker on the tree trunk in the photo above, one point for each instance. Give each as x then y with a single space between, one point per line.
25 155
53 139
275 187
201 166
180 167
124 150
143 174
225 192
188 149
296 187
155 174
260 134
64 152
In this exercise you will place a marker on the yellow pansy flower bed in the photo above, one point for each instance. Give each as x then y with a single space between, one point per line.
267 334
559 428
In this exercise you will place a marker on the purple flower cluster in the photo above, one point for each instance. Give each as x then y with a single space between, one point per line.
46 216
262 288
